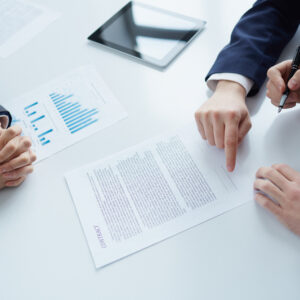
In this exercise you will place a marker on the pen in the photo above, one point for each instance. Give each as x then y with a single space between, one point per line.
295 66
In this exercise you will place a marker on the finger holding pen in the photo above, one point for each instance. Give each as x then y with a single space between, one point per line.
283 87
278 76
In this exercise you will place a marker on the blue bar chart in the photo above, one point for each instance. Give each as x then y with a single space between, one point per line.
74 115
65 111
38 122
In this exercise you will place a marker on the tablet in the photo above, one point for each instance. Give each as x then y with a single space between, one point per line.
152 35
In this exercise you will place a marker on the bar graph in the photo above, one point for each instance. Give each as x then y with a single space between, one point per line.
74 115
38 122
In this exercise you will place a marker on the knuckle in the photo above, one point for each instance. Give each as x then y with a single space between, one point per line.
294 193
205 115
33 157
27 142
291 195
216 115
264 185
279 167
233 115
14 130
25 159
11 147
230 142
268 172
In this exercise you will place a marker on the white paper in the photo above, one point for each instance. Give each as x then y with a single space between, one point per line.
152 191
66 110
20 21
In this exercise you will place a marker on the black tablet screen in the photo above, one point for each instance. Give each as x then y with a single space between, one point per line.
146 32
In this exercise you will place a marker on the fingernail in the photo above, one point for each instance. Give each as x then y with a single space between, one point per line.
229 168
2 170
292 83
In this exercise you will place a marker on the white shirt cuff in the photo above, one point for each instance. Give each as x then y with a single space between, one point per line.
242 80
4 121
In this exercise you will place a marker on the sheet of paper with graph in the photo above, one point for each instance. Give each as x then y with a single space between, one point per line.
66 110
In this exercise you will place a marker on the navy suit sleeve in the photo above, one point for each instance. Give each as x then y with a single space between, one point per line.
258 39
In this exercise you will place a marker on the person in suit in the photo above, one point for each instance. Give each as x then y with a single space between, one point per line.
16 157
239 71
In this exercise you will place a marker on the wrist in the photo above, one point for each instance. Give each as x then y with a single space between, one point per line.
224 86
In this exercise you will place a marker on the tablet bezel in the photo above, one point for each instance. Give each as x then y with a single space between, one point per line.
157 63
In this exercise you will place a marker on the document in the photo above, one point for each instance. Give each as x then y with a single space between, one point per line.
20 21
151 192
65 111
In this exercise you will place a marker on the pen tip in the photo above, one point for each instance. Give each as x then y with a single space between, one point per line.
279 109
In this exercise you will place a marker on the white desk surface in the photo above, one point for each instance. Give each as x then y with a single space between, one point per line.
243 254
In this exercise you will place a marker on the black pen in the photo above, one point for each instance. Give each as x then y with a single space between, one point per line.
295 66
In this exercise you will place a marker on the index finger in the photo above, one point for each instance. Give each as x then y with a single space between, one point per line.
231 144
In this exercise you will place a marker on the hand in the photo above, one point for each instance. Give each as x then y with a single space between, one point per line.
224 119
276 85
16 158
281 183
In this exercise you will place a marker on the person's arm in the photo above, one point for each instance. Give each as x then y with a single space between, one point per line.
258 40
256 43
5 118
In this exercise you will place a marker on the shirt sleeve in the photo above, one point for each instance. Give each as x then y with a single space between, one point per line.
245 82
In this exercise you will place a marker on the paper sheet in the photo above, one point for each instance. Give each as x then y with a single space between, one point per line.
152 191
20 21
66 110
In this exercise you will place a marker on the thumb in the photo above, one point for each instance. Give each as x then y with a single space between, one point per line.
294 82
